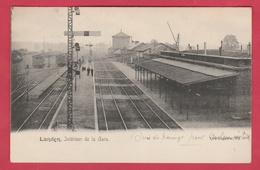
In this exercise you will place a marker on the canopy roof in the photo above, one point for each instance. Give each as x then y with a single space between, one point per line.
184 73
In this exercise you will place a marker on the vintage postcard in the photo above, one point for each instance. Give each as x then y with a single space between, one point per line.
131 84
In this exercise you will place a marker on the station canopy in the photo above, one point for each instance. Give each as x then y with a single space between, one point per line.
184 73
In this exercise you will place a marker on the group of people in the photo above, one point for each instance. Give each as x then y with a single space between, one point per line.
90 67
90 70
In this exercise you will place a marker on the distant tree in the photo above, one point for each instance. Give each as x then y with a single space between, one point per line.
154 42
37 46
230 42
166 43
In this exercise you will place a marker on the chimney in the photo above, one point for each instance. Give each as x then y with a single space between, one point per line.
205 48
249 48
197 47
220 48
189 47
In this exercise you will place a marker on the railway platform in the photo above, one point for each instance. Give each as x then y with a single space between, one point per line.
45 84
83 105
130 73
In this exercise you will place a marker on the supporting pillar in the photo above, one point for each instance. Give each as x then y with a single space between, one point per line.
141 75
181 91
160 93
187 103
147 79
144 77
138 72
135 72
233 96
155 78
165 90
172 95
151 82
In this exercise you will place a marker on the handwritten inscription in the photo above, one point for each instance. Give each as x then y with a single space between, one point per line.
222 136
139 136
176 138
190 137
194 137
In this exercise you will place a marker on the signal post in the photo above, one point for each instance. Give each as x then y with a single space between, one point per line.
70 33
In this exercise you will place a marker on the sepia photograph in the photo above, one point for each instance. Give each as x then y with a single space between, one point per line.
131 80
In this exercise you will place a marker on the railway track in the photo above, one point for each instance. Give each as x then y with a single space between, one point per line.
18 86
112 115
34 73
126 107
23 87
40 117
26 114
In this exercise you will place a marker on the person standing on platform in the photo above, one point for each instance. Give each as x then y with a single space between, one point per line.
90 67
88 71
92 71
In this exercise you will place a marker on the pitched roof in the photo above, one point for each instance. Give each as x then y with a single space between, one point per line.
121 34
162 47
118 52
133 45
145 47
172 47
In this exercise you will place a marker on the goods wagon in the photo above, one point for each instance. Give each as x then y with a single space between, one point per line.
38 61
16 57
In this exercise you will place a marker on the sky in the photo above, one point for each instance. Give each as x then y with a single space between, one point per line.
195 25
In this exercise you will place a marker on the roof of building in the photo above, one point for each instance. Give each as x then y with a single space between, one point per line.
212 56
121 34
161 47
110 48
240 54
118 52
124 51
156 48
134 45
184 73
145 47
